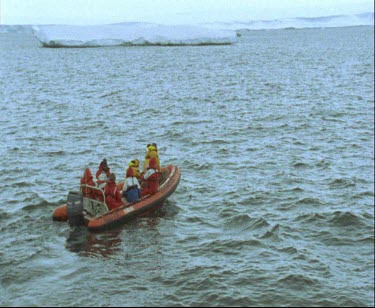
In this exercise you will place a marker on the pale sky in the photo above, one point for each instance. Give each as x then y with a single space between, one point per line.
89 12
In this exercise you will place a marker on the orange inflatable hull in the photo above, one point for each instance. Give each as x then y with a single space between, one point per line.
143 207
60 213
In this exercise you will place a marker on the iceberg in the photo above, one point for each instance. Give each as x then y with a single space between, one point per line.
16 29
129 34
364 19
208 33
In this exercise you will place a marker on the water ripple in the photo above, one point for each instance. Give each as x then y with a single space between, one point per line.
277 189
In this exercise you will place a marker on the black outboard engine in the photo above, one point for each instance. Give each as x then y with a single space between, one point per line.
75 208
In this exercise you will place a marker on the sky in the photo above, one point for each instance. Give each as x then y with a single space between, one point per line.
96 12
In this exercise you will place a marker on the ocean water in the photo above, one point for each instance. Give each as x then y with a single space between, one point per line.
274 136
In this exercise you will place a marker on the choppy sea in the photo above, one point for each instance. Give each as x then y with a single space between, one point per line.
274 136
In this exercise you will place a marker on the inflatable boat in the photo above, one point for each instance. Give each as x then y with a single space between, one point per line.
94 213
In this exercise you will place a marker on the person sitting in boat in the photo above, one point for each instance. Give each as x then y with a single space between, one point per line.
113 196
132 190
88 179
152 151
134 164
150 179
102 175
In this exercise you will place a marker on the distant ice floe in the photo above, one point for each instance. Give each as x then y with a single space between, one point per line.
364 19
213 33
16 29
129 34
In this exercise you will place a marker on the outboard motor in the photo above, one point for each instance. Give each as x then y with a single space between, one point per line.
75 208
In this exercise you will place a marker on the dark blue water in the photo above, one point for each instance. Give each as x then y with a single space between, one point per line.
275 140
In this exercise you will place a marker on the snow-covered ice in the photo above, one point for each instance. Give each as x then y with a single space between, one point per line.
130 34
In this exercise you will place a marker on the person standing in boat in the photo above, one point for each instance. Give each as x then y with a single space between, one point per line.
132 190
151 179
88 179
113 196
152 151
134 164
102 175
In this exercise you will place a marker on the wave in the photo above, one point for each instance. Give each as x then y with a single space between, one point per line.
298 281
337 219
342 182
244 222
229 246
346 219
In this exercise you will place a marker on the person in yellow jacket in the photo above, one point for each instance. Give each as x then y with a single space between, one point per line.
152 151
134 164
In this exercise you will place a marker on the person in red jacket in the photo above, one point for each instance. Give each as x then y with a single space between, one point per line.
113 196
151 178
152 151
102 175
87 179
